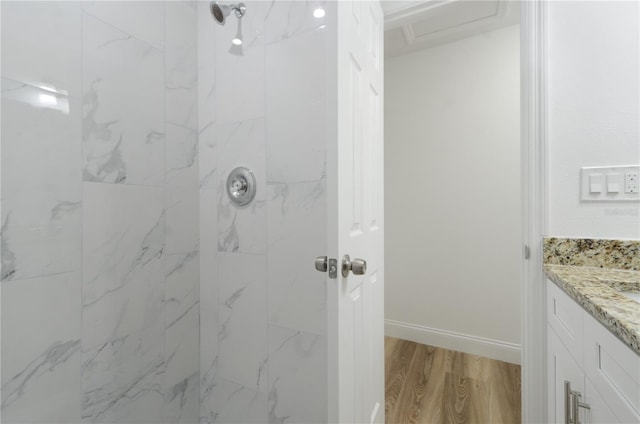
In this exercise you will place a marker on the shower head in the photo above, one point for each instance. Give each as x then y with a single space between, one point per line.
221 11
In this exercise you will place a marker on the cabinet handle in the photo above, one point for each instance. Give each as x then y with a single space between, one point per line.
567 402
574 409
572 404
577 404
584 405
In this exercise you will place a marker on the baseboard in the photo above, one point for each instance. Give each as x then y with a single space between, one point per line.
494 349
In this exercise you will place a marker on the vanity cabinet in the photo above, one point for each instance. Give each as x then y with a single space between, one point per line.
589 371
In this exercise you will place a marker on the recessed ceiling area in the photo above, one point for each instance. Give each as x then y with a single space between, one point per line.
415 25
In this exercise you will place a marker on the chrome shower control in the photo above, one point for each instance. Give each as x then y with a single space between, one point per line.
357 266
241 186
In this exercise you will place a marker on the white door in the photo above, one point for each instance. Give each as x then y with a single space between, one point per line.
355 221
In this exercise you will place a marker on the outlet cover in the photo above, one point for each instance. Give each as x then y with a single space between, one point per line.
629 191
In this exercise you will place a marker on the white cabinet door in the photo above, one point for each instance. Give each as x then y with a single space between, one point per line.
614 370
561 367
599 412
565 316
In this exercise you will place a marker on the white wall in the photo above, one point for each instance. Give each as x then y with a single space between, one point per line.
594 105
453 195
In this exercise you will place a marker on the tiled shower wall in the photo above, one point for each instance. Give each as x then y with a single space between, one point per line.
132 290
100 255
263 306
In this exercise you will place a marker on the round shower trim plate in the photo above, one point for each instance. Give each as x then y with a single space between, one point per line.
241 186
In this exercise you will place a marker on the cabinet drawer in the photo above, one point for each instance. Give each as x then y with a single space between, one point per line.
561 367
565 316
600 413
614 370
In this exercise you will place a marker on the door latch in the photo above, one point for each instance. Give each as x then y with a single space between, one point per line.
324 264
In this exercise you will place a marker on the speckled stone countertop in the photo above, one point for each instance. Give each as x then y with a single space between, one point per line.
593 273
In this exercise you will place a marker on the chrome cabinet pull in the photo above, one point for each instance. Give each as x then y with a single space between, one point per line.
572 404
567 403
576 405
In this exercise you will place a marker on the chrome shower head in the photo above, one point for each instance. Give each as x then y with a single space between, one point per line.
221 11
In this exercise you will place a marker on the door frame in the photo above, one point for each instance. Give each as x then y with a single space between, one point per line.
533 129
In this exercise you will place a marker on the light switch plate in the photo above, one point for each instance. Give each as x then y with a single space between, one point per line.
613 183
616 183
595 183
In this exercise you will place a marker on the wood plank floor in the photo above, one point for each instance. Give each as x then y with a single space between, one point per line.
425 384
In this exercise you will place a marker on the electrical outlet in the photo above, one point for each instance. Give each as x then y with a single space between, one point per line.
631 182
610 183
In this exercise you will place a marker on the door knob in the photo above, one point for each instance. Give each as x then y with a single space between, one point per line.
324 264
321 263
357 266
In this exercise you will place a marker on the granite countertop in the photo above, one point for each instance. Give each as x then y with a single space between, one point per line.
594 273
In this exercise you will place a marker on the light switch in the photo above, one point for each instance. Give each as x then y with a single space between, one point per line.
617 183
595 183
613 183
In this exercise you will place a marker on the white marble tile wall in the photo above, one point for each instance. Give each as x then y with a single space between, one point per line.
41 355
242 229
124 121
123 103
100 240
182 244
264 110
208 219
41 212
41 167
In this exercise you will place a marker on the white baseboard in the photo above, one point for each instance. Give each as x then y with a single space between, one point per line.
494 349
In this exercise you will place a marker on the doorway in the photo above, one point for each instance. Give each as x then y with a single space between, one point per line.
452 174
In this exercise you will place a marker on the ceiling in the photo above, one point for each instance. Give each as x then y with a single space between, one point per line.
415 25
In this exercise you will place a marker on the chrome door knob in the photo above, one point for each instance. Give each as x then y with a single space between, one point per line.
321 263
357 266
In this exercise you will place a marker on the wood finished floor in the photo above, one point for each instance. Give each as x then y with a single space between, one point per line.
425 384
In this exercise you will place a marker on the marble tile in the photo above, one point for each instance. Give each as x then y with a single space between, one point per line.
208 290
242 229
182 401
41 182
123 107
208 157
41 349
242 334
296 106
231 402
208 393
286 19
142 19
182 316
181 213
181 157
297 235
297 376
206 66
51 34
122 380
181 64
123 275
240 79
